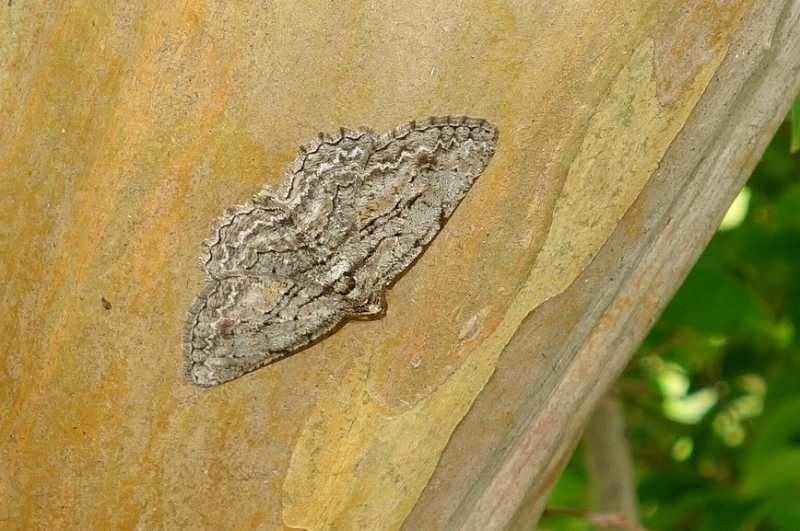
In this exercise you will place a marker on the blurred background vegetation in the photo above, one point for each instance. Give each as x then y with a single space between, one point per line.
712 398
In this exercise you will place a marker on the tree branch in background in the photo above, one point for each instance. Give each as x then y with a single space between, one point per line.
605 520
610 467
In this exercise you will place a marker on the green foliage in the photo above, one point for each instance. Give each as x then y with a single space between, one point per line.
729 459
794 143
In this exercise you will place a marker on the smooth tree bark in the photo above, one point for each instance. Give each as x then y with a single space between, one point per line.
625 130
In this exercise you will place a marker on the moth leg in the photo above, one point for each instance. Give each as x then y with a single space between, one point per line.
375 306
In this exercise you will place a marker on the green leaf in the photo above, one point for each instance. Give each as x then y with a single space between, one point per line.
783 513
779 429
773 475
773 463
713 302
794 121
787 209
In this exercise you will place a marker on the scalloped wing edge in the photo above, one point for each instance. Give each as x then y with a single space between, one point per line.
269 198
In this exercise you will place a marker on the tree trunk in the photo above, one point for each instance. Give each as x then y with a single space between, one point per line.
625 130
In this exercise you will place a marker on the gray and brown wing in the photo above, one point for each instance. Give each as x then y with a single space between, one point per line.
355 211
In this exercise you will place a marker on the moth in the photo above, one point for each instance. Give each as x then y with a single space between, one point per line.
354 212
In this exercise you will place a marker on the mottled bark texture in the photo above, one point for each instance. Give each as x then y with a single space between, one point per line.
625 129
